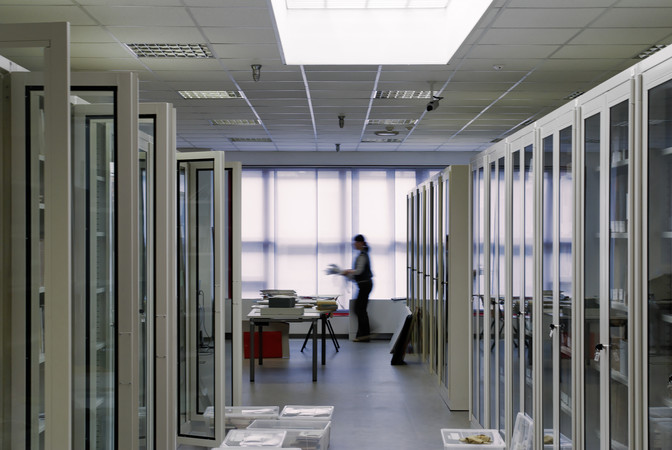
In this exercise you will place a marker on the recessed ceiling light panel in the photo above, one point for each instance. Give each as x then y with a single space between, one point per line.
210 94
333 32
365 4
170 50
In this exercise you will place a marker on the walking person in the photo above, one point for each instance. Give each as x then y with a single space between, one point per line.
361 273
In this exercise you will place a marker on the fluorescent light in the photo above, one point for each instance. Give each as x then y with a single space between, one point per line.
384 32
380 141
402 94
391 121
211 94
250 140
234 122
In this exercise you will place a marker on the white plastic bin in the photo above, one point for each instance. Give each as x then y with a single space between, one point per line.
254 438
307 412
523 435
305 434
242 416
451 439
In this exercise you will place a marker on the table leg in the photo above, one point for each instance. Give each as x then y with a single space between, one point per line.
315 351
261 345
252 358
323 317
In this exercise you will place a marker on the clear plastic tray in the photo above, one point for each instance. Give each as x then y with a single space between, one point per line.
307 412
451 439
254 438
243 416
305 434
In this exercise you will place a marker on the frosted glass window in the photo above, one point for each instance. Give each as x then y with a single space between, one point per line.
298 221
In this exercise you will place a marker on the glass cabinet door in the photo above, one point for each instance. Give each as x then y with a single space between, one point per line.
658 280
528 275
201 277
619 273
591 277
478 202
146 277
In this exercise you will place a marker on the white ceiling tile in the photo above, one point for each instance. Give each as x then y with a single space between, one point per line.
598 51
502 52
32 14
547 17
157 35
621 36
232 17
240 35
141 15
636 17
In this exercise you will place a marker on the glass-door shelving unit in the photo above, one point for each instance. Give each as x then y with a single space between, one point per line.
657 281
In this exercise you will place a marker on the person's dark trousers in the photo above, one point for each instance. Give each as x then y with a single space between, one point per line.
361 302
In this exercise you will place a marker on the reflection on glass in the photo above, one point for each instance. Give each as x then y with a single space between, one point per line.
619 267
228 286
196 299
528 234
591 278
516 282
146 235
492 302
478 288
659 265
547 282
499 306
36 294
565 220
94 263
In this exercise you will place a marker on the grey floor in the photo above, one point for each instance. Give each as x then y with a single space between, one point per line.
376 405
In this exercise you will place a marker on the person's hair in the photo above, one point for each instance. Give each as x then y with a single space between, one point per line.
360 238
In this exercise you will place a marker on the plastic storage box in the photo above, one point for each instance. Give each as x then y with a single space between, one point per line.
254 438
523 435
305 434
305 412
451 439
243 416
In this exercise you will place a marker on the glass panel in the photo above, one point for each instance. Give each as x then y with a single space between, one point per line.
36 294
196 299
146 275
547 283
591 278
94 263
619 268
501 290
565 220
228 286
492 302
659 264
528 236
516 283
476 293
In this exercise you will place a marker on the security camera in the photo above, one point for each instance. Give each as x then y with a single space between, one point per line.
433 104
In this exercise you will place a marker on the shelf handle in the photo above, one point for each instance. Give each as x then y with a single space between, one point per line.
598 350
554 327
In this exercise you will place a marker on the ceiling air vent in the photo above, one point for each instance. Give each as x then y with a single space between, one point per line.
170 50
210 94
650 51
392 121
573 95
241 122
402 94
381 141
250 140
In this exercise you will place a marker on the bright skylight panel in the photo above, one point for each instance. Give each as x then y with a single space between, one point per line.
374 32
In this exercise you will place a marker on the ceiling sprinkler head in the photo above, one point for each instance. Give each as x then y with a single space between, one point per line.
338 147
341 121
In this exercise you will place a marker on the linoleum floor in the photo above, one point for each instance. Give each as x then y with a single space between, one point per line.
376 405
